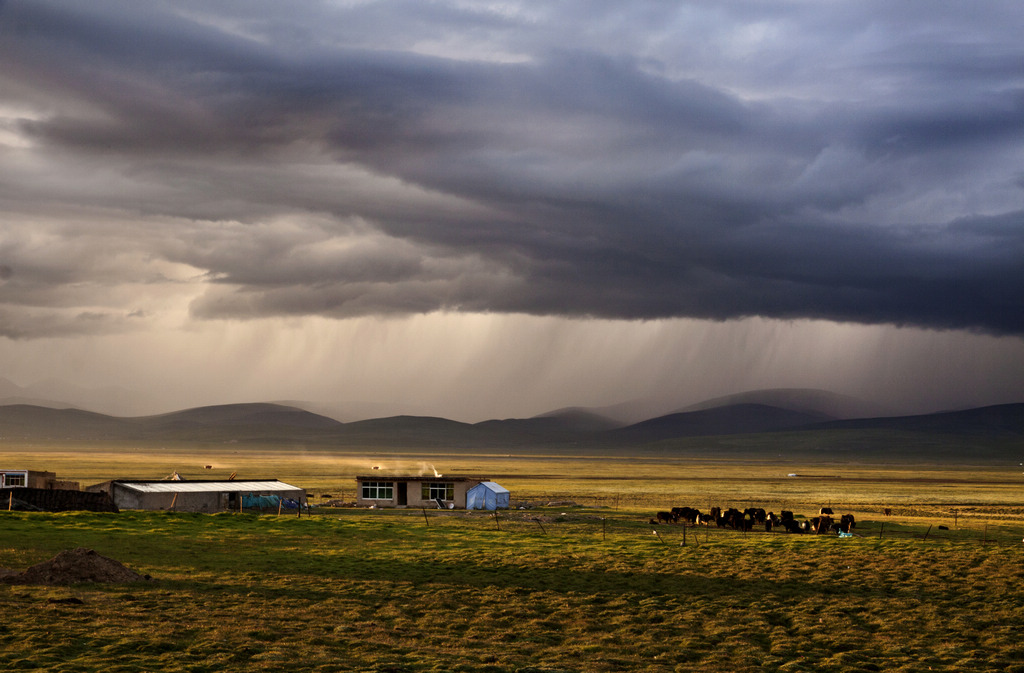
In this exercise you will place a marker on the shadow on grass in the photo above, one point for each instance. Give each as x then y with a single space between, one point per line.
325 581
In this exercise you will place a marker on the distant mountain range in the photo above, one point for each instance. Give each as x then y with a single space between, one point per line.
749 423
117 401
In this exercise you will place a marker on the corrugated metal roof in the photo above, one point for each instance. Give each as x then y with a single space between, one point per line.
206 486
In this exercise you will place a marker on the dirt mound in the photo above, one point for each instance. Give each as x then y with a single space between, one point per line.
74 566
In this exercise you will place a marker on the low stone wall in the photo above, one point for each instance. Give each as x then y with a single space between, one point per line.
57 500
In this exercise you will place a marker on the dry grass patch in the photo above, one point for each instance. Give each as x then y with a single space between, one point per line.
383 591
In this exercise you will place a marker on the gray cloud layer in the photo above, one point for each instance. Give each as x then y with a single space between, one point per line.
849 162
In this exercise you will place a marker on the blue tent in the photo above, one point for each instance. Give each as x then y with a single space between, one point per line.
487 495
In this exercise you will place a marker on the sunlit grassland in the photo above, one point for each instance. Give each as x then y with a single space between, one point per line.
642 481
586 587
574 589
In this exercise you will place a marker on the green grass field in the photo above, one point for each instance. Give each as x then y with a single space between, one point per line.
564 588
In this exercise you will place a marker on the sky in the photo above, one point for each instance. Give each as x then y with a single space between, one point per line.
495 209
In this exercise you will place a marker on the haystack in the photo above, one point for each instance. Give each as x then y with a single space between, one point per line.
75 566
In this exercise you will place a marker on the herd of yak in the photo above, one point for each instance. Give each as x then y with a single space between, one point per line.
756 516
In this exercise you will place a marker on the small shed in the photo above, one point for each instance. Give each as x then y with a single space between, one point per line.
196 496
487 495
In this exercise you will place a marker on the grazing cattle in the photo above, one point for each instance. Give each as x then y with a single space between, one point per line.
715 512
705 519
847 523
755 513
822 524
688 514
792 526
887 511
667 517
733 518
785 515
770 522
825 510
943 527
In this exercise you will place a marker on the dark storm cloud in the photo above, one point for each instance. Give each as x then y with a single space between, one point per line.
854 163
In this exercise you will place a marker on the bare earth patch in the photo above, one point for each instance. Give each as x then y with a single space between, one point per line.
74 566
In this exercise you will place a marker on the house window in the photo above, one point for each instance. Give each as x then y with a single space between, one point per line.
439 491
378 490
14 479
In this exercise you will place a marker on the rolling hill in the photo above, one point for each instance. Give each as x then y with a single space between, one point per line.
733 419
23 422
744 426
805 400
1002 419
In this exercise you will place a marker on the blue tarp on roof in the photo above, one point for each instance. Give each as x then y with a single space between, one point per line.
487 495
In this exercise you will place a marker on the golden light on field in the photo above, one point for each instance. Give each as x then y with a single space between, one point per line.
599 481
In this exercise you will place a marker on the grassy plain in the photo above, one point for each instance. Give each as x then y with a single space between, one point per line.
589 587
640 480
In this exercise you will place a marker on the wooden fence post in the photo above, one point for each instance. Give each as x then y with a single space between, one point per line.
425 518
496 524
10 501
880 529
174 500
541 525
604 528
684 534
927 531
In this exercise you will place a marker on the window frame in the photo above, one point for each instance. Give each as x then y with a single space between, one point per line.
377 490
20 479
432 489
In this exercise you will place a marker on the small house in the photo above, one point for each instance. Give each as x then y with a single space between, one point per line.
35 479
200 495
416 491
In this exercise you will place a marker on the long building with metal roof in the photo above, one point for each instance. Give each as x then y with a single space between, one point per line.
196 496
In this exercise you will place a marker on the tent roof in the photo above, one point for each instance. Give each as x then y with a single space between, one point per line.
490 485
